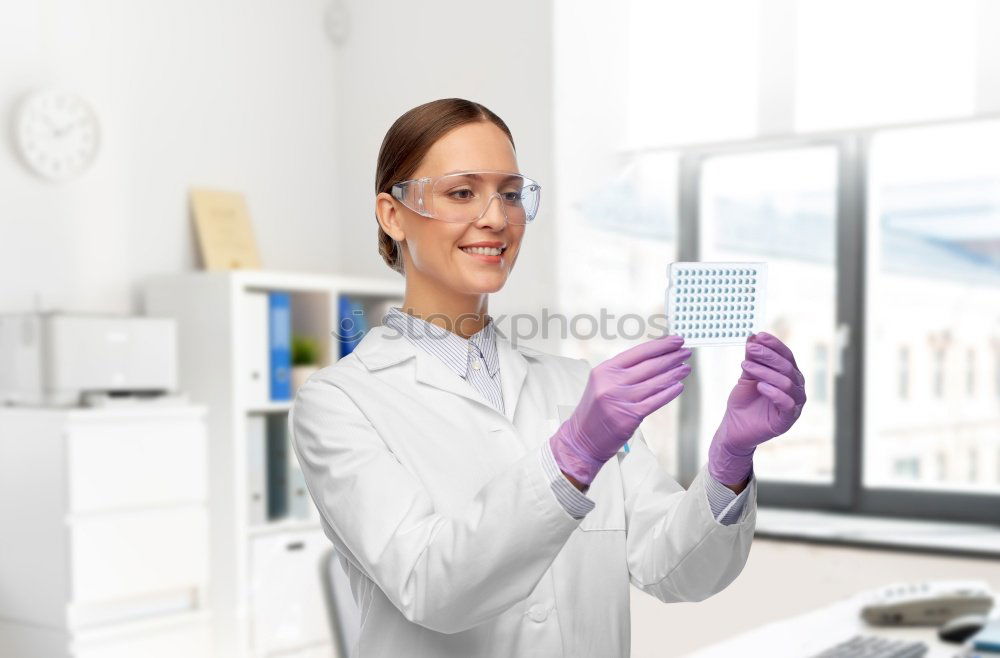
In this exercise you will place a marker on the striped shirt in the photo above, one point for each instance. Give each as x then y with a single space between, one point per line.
476 360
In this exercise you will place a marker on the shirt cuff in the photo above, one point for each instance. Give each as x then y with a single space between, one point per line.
572 499
725 504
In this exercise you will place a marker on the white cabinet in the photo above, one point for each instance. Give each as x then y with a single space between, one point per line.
286 596
265 578
166 459
107 524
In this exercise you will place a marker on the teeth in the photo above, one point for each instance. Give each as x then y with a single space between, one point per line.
486 251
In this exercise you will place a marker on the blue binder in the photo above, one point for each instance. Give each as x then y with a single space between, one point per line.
280 344
353 324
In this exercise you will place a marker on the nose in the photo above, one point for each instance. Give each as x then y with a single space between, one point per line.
493 217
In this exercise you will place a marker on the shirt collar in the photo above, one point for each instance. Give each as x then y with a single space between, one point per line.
456 352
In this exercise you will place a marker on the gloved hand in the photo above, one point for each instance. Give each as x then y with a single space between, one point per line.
766 402
620 392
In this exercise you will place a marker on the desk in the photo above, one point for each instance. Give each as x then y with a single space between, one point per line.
810 633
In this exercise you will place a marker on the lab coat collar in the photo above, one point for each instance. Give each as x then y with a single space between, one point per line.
384 346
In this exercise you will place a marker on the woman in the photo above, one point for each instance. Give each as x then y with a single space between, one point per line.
485 498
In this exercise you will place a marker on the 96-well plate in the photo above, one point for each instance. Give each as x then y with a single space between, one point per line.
715 303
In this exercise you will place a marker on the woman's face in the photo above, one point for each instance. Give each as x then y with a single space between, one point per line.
434 248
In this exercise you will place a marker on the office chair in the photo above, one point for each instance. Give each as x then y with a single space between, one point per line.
345 618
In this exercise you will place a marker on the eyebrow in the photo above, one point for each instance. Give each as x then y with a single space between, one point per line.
509 176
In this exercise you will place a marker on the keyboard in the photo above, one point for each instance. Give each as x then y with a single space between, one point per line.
871 646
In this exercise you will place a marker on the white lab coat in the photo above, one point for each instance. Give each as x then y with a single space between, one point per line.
452 538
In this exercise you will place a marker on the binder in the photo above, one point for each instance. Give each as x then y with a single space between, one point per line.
352 324
257 355
280 341
257 469
277 466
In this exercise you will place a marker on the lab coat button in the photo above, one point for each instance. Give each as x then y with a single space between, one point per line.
538 613
475 365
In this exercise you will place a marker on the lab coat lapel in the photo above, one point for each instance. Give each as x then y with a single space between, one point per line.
432 372
382 347
513 370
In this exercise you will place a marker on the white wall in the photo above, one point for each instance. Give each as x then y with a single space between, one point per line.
251 96
401 54
234 94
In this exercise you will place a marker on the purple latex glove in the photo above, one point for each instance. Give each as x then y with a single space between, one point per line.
766 402
620 392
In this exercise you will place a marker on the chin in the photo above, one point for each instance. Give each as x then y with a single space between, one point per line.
484 284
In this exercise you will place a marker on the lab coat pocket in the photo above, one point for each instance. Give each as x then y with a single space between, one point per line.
606 489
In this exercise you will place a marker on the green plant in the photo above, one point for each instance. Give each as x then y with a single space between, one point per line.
305 351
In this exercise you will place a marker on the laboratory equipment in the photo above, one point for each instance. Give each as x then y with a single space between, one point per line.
960 629
56 358
715 303
927 603
870 646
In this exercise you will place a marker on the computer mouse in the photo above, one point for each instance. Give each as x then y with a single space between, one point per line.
961 628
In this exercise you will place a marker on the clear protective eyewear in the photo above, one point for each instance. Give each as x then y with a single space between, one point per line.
465 196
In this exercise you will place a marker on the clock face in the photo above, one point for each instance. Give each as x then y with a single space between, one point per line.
57 134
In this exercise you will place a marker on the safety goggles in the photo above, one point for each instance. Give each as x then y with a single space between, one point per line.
465 196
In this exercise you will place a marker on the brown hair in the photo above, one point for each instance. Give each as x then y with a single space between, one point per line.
409 139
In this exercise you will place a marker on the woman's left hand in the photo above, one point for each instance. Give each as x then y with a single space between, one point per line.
766 402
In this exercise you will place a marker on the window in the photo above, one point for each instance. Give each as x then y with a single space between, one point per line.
820 373
907 468
970 373
904 373
911 269
996 371
942 466
779 207
937 381
933 280
883 242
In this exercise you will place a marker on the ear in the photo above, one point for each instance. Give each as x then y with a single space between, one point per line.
389 216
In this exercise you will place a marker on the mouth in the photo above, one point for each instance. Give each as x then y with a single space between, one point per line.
486 252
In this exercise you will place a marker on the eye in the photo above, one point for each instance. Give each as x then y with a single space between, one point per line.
461 194
512 197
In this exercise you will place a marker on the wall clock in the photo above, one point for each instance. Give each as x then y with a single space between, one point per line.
56 133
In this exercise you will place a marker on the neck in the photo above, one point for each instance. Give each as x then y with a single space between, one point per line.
460 313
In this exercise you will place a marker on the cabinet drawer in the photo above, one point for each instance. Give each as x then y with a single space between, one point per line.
136 462
131 564
287 601
188 640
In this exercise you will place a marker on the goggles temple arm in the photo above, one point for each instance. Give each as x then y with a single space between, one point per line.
399 193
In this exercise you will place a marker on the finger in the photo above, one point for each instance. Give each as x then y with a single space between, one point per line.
643 390
657 400
647 350
772 341
765 374
652 367
765 355
777 396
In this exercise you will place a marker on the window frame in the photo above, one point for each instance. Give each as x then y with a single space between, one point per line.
846 493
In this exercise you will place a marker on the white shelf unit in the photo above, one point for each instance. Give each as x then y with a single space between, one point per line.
248 572
105 552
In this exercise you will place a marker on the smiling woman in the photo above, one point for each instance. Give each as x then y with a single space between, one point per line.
410 140
488 499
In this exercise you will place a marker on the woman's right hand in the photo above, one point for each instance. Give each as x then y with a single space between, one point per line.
620 393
